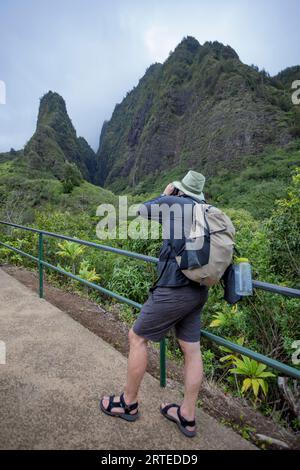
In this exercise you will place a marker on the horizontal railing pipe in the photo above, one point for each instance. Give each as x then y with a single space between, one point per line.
98 246
286 291
92 285
282 290
20 252
268 361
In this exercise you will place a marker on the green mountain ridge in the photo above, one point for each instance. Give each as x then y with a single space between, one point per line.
202 109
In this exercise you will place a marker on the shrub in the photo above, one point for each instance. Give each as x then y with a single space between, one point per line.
284 232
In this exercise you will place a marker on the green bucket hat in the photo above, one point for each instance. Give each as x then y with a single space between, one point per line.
192 184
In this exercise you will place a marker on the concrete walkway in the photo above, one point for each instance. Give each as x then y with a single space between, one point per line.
55 372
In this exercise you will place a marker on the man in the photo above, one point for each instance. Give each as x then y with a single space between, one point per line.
174 301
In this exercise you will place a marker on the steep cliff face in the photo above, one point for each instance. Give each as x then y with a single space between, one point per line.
203 108
55 141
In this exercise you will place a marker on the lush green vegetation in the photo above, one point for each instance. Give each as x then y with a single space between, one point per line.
266 323
24 190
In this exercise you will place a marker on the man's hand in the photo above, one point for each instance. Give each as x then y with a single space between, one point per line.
169 189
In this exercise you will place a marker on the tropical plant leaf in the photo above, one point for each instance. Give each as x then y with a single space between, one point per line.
255 386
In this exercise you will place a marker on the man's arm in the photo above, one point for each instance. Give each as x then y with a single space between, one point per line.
150 209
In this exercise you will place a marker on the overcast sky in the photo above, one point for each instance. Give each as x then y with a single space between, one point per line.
93 51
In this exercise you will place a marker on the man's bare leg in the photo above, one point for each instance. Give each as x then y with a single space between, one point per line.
193 375
137 364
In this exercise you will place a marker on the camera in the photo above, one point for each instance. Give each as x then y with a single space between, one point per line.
175 192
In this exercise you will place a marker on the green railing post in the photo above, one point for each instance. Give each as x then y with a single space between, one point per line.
163 380
41 267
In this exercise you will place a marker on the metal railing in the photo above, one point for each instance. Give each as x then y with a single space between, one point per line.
286 291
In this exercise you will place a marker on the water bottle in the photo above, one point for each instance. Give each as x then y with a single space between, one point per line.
243 277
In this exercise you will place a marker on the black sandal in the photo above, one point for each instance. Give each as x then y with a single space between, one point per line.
182 423
120 404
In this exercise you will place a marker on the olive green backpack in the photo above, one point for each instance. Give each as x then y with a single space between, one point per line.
208 249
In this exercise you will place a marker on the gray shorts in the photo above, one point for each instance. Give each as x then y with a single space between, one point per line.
169 307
